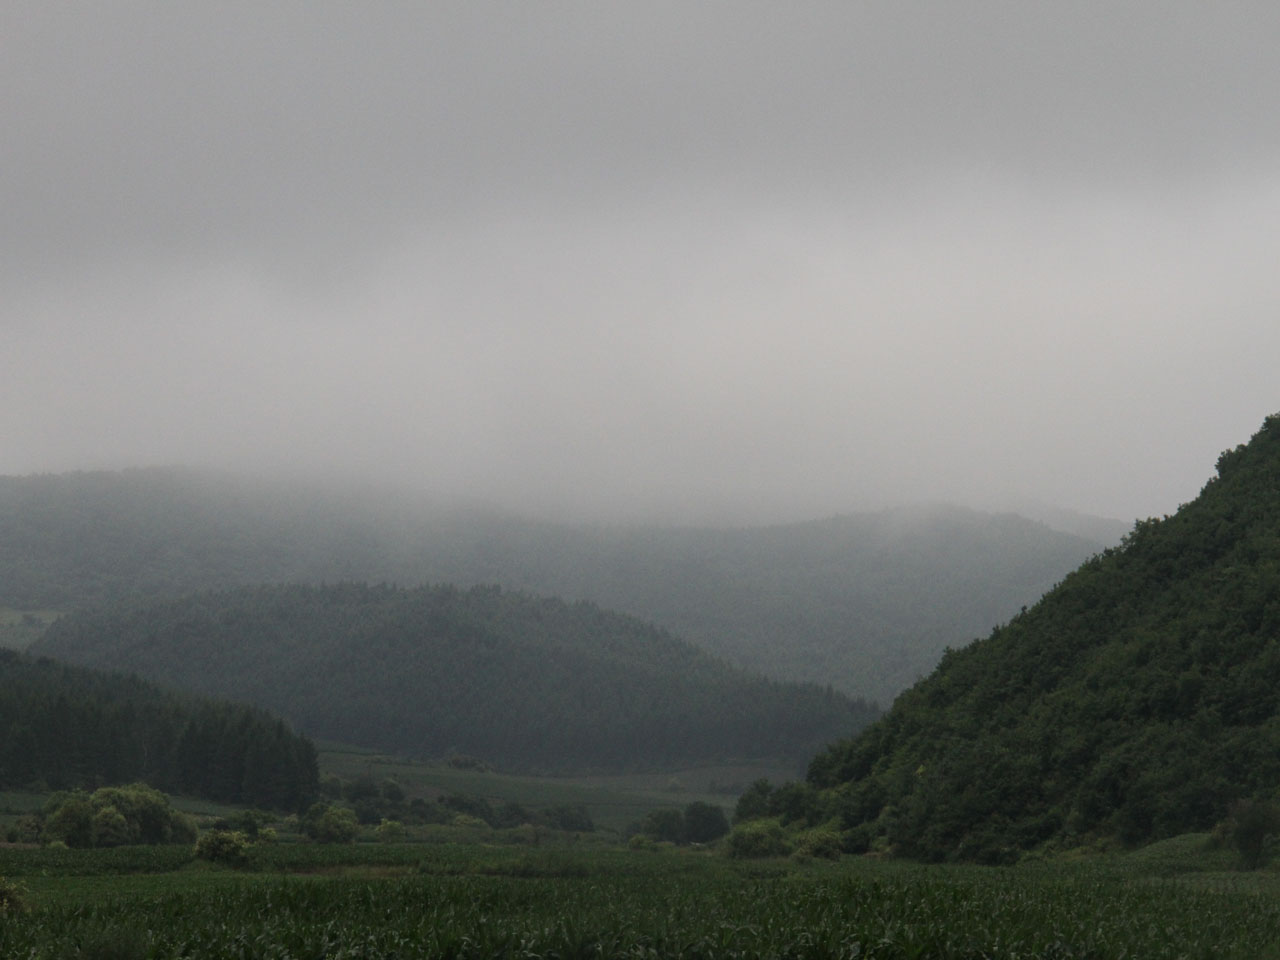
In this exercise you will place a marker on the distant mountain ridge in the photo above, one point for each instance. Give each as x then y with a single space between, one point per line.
1138 699
865 602
526 683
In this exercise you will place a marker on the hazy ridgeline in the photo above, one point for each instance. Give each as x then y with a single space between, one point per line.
865 602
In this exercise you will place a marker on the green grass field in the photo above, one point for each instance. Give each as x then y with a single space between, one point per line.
614 801
374 901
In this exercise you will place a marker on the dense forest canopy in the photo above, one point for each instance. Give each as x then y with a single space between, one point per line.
1139 699
520 681
65 727
865 602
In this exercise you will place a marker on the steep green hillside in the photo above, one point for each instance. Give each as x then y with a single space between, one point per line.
1138 699
522 682
66 727
864 602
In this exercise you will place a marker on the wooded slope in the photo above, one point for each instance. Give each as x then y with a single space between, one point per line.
523 682
66 727
1138 699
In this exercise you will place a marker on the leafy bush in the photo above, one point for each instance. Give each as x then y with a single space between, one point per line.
1254 830
13 897
823 843
758 838
704 822
224 846
390 831
329 824
110 828
115 816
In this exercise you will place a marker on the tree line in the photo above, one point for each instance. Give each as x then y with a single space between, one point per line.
67 728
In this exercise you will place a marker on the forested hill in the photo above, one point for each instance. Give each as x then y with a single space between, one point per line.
67 727
522 682
865 602
1138 699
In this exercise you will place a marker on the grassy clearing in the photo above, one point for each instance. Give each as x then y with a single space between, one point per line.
613 801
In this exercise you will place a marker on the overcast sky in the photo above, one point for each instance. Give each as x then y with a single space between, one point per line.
685 261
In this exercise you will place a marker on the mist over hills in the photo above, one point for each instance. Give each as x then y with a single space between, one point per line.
865 602
526 683
1138 699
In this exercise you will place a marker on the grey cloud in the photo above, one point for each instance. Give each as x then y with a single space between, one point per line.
279 126
662 259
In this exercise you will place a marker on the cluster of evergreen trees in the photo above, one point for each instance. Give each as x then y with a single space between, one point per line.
68 728
522 682
1139 699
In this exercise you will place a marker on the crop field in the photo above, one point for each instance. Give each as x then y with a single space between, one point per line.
453 900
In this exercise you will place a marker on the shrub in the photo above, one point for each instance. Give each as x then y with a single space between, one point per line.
110 828
823 843
390 831
330 824
224 846
704 822
69 818
758 838
1255 826
13 898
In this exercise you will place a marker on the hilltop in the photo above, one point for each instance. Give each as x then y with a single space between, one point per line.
1138 699
518 681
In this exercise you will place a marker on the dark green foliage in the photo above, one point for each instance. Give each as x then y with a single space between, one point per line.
704 822
864 602
69 727
754 802
1139 699
699 822
527 683
666 825
224 846
327 823
114 817
1255 830
13 898
757 838
573 817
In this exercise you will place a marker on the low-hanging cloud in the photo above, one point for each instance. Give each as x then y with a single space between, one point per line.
686 262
